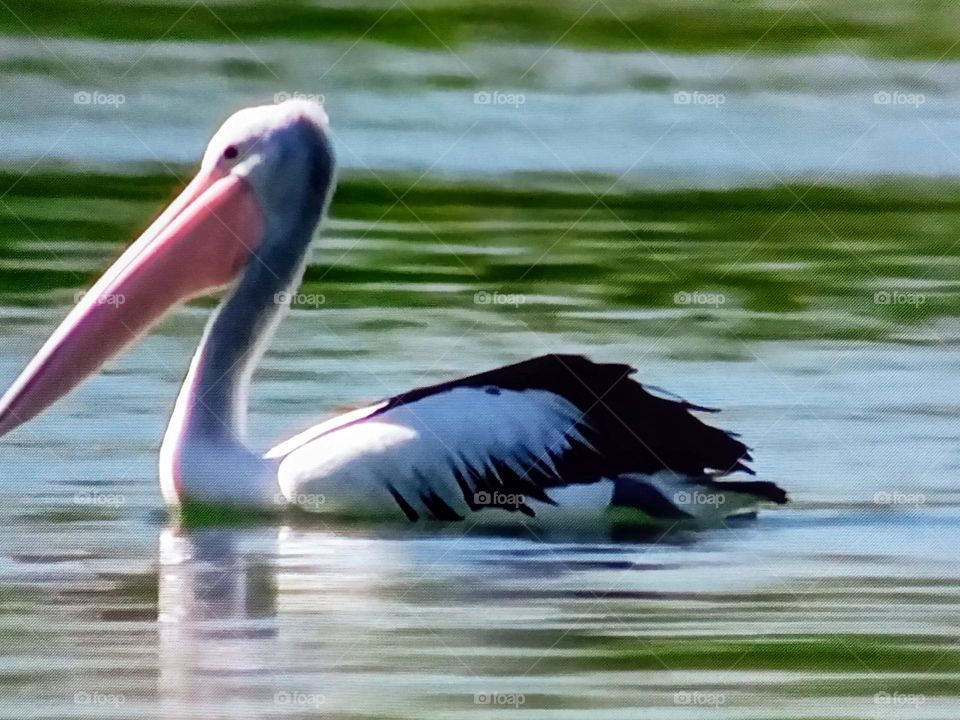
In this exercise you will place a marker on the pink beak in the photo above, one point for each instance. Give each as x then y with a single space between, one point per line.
200 243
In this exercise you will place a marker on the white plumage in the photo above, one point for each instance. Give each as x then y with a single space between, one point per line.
419 448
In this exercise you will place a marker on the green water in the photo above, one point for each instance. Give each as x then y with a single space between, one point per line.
790 255
798 262
885 28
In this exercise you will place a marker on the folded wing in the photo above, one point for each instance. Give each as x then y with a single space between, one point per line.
511 438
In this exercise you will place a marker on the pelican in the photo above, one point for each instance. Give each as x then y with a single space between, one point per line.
554 432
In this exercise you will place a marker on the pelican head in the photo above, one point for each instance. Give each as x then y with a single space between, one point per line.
262 187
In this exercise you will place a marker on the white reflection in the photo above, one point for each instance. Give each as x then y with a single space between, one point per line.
261 621
217 619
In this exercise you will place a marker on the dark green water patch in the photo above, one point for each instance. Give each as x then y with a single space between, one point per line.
907 30
850 653
872 262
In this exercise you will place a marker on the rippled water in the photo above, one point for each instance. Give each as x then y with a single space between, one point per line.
598 216
810 611
772 118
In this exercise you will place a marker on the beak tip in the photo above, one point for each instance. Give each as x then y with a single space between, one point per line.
7 421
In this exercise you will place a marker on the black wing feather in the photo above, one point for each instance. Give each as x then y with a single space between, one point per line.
630 429
623 429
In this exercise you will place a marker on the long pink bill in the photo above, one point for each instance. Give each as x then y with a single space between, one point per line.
201 242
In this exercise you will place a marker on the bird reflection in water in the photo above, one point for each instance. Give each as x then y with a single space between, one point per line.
217 619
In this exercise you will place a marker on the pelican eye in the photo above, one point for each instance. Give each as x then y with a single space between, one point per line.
231 152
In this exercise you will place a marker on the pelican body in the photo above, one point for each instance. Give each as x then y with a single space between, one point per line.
558 431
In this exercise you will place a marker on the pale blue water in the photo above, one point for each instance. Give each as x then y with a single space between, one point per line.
103 595
108 609
782 117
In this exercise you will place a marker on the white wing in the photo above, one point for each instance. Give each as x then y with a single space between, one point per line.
438 457
553 430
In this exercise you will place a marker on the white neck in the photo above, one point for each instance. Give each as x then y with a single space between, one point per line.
204 457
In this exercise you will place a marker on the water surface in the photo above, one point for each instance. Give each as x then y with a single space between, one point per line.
788 255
